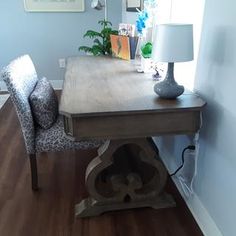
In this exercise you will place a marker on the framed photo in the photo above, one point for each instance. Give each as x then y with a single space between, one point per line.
133 5
120 46
54 5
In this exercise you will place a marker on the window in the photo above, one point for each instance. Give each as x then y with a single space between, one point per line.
179 11
183 11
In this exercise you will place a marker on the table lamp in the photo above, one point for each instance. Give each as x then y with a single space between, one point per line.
172 43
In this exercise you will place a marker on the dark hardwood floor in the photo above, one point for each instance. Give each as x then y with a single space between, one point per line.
50 211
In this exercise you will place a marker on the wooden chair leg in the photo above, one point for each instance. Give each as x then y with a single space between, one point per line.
34 172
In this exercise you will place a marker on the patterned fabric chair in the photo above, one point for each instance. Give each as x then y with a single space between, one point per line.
21 78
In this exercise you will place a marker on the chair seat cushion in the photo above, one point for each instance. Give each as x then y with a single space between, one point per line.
44 104
55 139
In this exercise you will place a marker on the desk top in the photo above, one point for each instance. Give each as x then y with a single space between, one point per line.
97 86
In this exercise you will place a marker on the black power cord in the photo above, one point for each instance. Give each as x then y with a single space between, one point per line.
190 147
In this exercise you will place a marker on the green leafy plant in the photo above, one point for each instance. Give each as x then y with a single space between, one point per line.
101 40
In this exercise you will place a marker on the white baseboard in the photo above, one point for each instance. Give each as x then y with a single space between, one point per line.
57 84
199 212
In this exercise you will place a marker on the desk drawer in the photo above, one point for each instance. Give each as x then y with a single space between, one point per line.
135 125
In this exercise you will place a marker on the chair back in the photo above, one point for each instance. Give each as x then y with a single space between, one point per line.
20 78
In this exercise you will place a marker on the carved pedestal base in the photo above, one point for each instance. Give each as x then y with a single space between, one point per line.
126 174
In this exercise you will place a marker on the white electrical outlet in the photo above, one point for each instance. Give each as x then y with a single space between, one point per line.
189 171
62 62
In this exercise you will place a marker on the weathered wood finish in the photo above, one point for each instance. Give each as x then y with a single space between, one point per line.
105 98
50 211
131 126
126 174
102 86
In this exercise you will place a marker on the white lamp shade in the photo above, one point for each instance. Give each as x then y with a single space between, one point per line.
173 43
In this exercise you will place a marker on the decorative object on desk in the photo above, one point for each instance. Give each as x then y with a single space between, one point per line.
145 22
173 43
129 30
96 4
146 61
146 50
126 29
147 19
146 65
120 46
102 43
134 5
54 6
157 76
141 21
133 42
140 27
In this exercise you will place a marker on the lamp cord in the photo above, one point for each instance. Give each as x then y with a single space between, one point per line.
190 147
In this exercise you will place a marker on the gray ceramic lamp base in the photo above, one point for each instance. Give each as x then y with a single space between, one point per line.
168 88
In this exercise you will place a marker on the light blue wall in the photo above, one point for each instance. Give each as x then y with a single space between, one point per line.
216 82
128 17
215 183
46 37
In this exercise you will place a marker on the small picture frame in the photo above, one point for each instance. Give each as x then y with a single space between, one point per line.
133 5
120 46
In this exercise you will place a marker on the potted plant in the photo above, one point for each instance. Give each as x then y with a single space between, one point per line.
101 40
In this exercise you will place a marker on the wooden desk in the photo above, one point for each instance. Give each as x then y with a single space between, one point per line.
104 98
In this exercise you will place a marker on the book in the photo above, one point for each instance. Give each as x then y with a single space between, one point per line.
120 46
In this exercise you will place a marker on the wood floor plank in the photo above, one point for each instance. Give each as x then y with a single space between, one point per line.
50 211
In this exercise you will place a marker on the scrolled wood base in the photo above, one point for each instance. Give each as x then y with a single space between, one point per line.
126 174
90 207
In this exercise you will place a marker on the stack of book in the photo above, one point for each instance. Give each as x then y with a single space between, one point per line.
125 43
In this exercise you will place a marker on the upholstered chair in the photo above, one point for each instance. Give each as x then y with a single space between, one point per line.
21 79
